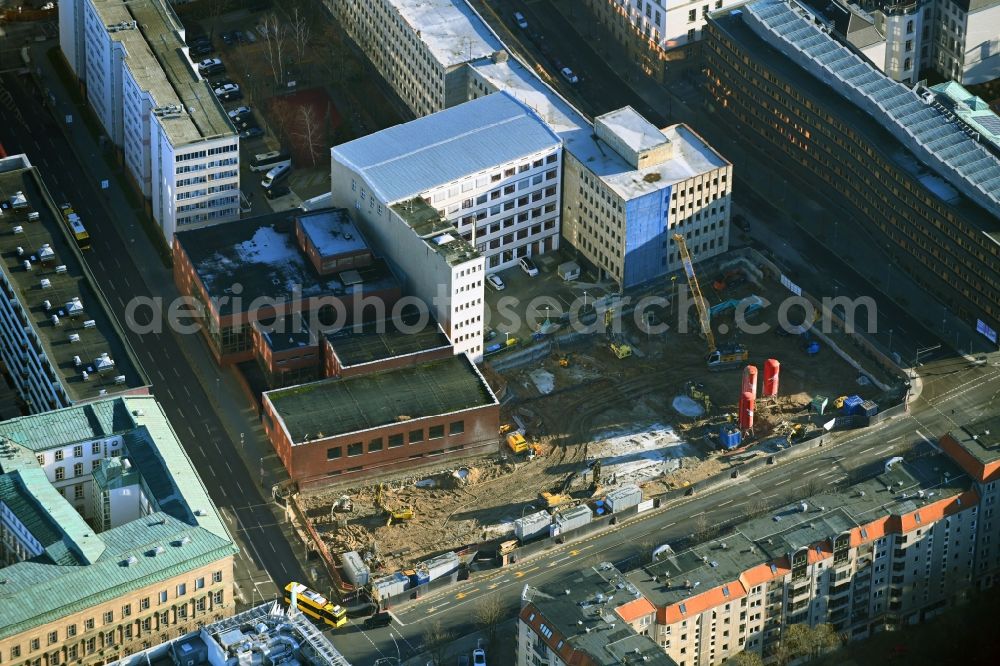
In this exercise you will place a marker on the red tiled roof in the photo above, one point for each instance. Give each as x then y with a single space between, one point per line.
699 603
636 609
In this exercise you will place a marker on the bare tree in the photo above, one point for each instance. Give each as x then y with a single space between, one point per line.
489 614
755 508
311 130
275 37
814 486
300 29
436 640
703 531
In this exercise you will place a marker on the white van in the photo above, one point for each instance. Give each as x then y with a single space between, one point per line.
275 174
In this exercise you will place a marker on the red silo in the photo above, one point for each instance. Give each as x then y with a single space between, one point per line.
750 380
772 369
747 404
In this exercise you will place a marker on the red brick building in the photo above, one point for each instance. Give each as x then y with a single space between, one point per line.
281 271
360 426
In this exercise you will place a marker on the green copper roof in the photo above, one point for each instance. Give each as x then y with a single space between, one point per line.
41 432
36 593
81 569
63 534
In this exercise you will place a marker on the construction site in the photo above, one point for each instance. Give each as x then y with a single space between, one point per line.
621 406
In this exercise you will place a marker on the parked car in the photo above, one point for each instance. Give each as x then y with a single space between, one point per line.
211 66
201 50
250 37
521 22
568 74
277 191
227 90
528 266
494 281
240 37
239 111
254 132
377 620
228 38
479 657
275 174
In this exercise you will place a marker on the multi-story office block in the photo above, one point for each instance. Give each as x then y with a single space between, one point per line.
600 619
108 539
179 146
964 44
419 47
625 182
926 191
59 343
622 220
490 166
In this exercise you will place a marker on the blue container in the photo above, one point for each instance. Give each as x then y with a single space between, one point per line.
852 405
868 408
813 348
730 438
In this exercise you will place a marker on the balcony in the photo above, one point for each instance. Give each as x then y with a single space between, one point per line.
837 590
837 603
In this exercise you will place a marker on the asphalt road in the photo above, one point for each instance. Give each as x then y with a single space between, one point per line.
231 484
953 393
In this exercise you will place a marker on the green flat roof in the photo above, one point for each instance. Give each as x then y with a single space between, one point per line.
382 340
338 406
62 427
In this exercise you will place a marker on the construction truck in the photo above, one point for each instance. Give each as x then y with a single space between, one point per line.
397 514
621 350
517 443
553 500
719 357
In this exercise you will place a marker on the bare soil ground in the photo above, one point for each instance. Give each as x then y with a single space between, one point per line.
595 395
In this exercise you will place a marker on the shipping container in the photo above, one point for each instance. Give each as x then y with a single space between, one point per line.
623 498
868 408
532 524
573 518
729 437
390 585
852 405
441 565
355 569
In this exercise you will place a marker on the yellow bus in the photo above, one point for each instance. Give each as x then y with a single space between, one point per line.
315 605
75 226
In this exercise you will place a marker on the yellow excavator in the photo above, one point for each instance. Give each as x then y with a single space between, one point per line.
619 348
397 514
719 357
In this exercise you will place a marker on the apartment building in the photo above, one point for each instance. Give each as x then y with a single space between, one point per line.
419 47
964 44
583 623
95 571
398 416
489 166
60 344
924 190
647 29
179 147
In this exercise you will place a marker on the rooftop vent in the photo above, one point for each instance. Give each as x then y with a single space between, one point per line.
61 268
131 561
46 283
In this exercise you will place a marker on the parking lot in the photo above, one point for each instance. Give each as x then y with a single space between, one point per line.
295 110
524 304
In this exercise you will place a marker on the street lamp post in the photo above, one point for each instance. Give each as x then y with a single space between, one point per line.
530 506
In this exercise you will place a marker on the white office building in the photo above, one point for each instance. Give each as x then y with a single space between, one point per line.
179 147
491 167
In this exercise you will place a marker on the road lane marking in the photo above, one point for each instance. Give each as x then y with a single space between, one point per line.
668 526
171 394
782 481
191 431
867 450
160 375
754 492
810 471
228 467
726 502
894 439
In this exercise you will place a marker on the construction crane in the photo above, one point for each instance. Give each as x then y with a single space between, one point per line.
718 358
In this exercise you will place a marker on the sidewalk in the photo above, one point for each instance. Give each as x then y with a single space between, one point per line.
503 650
221 386
866 258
